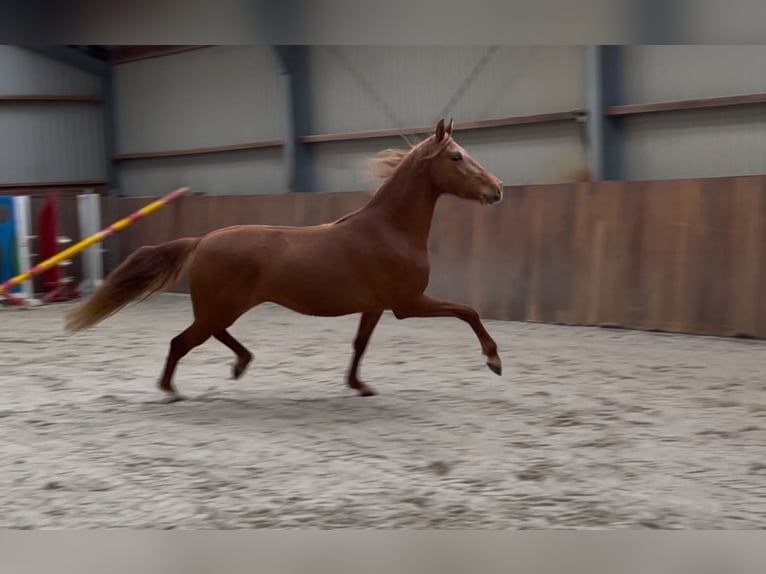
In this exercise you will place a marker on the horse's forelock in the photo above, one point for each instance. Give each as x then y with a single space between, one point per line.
438 148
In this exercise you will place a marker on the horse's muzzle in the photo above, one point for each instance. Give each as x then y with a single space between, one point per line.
493 198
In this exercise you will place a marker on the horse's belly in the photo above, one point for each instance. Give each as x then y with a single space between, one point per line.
326 299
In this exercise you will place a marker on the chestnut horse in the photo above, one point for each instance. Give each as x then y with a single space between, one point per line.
369 261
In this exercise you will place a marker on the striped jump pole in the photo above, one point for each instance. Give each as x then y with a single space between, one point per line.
85 243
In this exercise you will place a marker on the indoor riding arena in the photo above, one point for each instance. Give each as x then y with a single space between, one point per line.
621 278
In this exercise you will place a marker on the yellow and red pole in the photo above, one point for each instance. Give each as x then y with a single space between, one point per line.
85 243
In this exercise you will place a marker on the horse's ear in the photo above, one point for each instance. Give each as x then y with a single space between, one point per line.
450 126
439 130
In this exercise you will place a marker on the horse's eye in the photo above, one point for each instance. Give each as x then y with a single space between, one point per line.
457 157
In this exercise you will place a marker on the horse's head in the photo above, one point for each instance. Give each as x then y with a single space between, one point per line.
453 171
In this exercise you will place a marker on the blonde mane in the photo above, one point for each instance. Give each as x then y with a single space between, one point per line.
385 163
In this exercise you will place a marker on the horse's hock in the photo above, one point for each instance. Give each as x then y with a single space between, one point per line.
587 427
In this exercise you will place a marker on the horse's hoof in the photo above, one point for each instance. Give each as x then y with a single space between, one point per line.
238 368
172 398
364 390
495 366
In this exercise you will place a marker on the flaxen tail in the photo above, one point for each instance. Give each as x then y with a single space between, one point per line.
147 271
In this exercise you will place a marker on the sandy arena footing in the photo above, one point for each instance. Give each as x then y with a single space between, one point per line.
587 428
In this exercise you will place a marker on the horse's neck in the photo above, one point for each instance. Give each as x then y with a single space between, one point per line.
406 203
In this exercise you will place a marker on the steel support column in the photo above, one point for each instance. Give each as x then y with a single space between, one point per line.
110 129
297 155
603 86
109 115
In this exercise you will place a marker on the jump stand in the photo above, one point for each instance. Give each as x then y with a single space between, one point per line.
15 251
52 238
89 215
56 285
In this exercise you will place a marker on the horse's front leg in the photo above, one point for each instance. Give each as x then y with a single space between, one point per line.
424 306
366 326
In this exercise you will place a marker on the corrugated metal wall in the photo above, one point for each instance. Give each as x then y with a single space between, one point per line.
518 155
51 142
694 143
662 73
203 98
228 95
374 87
232 173
48 141
26 72
380 87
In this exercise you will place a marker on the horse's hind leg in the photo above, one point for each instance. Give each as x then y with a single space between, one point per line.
180 345
243 355
367 325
